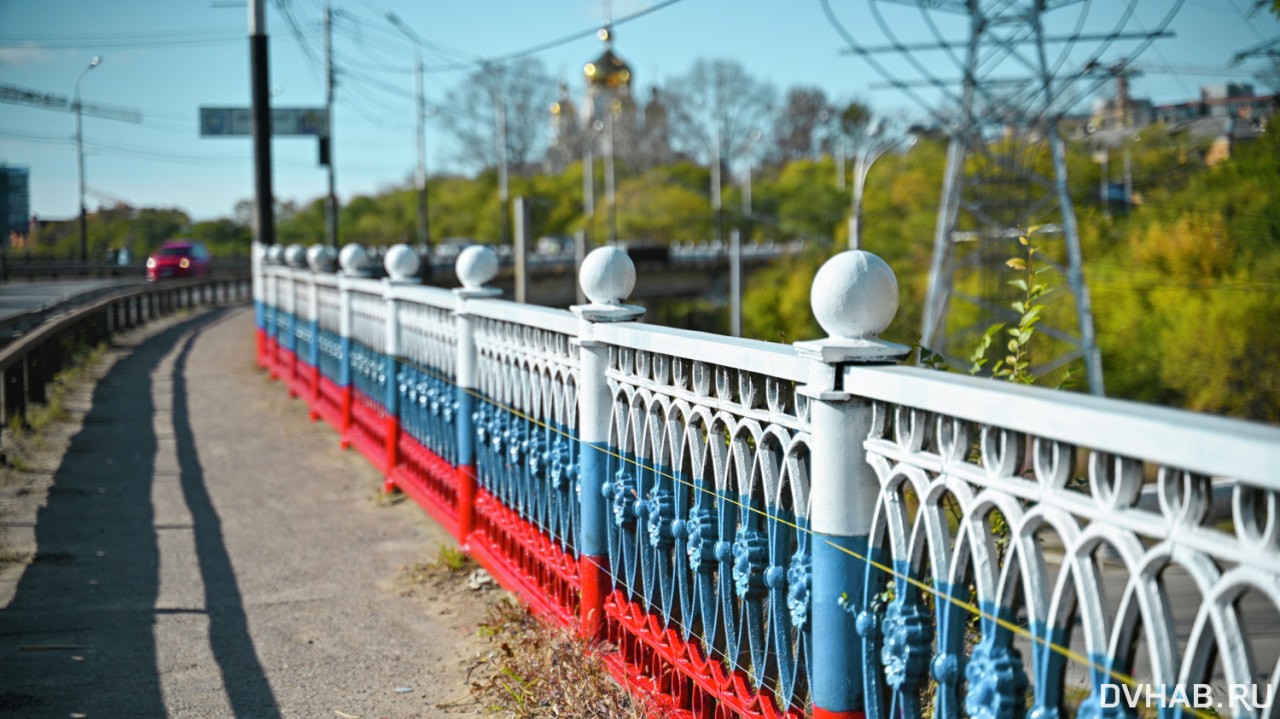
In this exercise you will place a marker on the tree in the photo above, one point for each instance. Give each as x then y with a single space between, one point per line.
469 112
716 95
805 109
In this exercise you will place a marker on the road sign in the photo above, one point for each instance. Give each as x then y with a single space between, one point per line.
235 121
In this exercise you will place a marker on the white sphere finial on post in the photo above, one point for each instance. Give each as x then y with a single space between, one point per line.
854 298
354 260
401 263
275 254
295 256
607 277
321 258
475 266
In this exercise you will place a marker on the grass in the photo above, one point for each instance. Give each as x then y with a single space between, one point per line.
530 670
28 433
54 409
538 670
453 561
449 565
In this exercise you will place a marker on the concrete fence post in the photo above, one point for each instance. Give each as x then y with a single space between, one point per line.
475 267
607 277
854 297
353 260
320 259
401 263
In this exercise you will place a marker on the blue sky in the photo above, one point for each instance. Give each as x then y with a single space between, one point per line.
167 58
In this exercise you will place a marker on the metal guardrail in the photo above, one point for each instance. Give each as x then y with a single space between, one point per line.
31 361
762 530
32 267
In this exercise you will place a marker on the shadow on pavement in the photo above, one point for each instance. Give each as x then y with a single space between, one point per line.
242 675
78 637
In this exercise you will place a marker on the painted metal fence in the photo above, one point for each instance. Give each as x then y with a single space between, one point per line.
762 530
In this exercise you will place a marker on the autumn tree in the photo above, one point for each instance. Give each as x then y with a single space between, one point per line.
717 99
802 113
470 113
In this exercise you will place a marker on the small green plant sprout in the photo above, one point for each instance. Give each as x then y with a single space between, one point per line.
1015 366
927 358
451 560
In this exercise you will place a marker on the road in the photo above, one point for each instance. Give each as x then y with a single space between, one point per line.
19 297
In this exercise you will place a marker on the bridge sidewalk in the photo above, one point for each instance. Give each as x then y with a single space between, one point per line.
206 552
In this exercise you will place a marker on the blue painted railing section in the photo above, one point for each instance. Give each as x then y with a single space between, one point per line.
429 409
429 405
525 423
329 346
284 328
328 329
304 336
369 372
709 504
971 511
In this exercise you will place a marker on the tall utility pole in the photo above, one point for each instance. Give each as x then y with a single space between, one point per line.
715 182
500 119
424 232
264 223
610 188
84 227
331 219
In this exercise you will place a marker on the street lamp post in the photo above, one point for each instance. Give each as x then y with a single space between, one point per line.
746 196
867 153
589 176
715 183
610 188
420 177
84 229
1128 171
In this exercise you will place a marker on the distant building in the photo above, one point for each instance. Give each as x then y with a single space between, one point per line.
15 205
1227 100
641 140
1122 111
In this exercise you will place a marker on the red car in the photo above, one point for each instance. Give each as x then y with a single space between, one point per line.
178 258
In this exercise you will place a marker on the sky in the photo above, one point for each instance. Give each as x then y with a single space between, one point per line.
167 58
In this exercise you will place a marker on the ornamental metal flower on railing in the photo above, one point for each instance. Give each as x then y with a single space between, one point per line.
761 530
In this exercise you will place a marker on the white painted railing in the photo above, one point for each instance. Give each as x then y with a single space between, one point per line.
763 529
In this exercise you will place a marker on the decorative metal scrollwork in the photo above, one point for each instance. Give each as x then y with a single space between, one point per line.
702 531
750 556
908 636
997 682
624 498
662 512
799 588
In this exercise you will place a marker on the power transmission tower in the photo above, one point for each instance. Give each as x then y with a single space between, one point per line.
998 185
1006 163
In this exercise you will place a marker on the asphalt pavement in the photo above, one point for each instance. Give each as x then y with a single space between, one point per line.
205 551
18 297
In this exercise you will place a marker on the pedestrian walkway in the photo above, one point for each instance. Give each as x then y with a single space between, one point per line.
207 552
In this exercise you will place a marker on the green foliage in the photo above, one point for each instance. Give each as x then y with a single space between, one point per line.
776 307
1015 365
1185 285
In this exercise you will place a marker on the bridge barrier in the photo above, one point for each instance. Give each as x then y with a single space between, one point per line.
760 530
15 265
33 360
